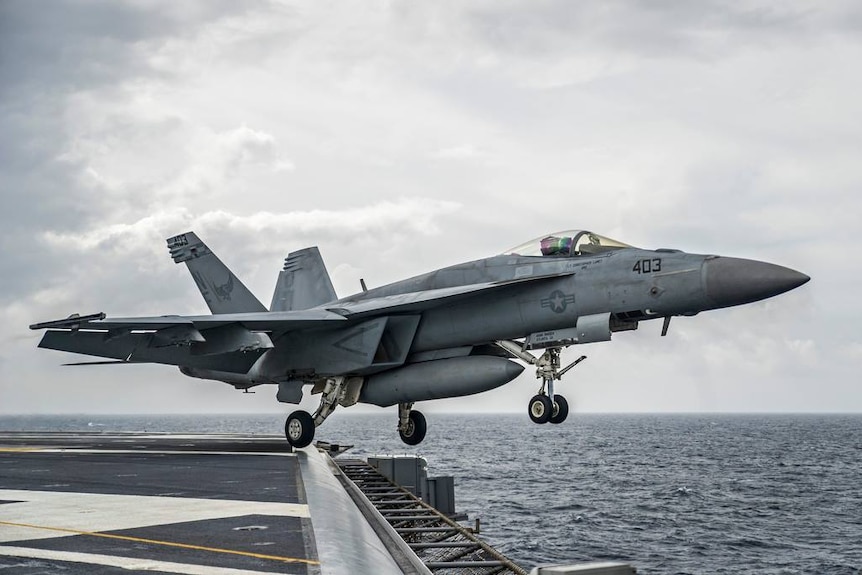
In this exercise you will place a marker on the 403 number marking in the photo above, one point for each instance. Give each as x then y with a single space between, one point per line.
647 266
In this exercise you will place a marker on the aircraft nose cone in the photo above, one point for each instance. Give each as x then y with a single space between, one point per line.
734 281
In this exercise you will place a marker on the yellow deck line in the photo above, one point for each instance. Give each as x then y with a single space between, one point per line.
165 543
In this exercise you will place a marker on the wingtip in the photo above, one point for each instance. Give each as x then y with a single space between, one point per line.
71 322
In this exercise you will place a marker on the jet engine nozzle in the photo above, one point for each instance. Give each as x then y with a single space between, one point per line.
735 281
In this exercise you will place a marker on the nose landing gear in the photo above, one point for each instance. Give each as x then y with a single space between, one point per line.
545 406
548 369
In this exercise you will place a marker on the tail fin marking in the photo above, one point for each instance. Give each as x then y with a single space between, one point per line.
222 290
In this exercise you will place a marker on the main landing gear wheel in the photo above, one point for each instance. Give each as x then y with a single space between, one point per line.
299 429
541 409
414 431
560 411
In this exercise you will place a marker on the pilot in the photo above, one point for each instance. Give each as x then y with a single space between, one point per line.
554 246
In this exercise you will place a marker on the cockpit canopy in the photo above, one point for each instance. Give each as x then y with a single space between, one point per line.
565 244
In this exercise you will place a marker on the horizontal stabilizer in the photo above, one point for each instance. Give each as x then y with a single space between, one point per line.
120 349
303 283
136 348
222 290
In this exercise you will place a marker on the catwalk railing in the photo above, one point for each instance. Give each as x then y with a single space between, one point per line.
443 545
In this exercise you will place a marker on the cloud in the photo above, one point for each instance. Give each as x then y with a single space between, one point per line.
852 350
406 216
462 152
84 45
125 266
217 159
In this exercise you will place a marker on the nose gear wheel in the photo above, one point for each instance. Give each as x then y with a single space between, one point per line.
560 411
540 409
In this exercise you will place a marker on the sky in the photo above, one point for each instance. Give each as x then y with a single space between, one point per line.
401 137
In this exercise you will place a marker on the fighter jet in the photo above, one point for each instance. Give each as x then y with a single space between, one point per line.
453 332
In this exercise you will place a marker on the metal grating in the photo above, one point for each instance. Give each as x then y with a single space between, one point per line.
444 546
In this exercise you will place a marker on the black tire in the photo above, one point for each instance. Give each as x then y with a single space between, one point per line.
416 428
540 408
560 410
299 429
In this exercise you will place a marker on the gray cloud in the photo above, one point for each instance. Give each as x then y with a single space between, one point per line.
79 45
647 30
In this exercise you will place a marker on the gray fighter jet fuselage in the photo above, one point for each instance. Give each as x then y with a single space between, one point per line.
448 333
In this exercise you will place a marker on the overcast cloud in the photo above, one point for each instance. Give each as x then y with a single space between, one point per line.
404 136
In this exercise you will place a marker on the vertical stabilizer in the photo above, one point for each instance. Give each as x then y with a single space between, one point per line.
222 290
304 283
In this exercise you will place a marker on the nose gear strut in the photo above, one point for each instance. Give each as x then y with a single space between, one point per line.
545 406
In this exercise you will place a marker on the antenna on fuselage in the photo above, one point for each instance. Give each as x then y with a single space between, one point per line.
665 325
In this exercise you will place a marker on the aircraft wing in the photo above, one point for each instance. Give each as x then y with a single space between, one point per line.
233 342
256 321
283 321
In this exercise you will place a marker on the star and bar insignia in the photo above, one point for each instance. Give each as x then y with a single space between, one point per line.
558 301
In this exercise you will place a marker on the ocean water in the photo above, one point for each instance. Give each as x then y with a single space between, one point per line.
766 494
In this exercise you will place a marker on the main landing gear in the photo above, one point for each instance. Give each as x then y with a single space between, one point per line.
545 406
299 428
411 424
300 425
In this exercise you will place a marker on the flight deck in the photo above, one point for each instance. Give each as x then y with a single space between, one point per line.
110 503
227 504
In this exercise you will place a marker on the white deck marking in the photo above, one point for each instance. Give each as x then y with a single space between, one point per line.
147 451
101 512
125 562
133 436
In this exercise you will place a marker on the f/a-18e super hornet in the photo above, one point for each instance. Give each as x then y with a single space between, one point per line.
448 333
